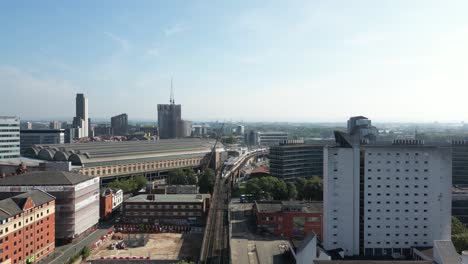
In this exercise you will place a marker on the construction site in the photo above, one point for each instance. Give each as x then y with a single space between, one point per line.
159 246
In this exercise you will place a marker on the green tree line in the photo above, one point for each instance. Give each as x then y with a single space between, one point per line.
269 187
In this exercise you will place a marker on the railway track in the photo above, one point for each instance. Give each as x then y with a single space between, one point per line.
215 247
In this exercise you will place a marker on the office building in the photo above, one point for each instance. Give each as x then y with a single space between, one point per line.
200 130
250 138
81 120
31 137
119 125
460 163
148 130
460 204
240 130
77 199
27 227
9 137
112 160
169 120
55 125
383 199
271 138
293 159
166 209
185 129
363 127
103 130
292 219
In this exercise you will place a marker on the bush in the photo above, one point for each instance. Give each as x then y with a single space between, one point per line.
85 252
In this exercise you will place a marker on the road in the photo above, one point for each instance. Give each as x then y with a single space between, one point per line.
63 253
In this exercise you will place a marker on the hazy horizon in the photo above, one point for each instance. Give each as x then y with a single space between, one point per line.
275 61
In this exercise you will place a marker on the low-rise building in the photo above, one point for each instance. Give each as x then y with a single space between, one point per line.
110 200
170 209
27 227
289 218
77 199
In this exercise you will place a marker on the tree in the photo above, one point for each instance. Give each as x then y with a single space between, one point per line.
267 187
292 191
313 189
229 140
129 185
140 181
459 235
85 252
458 227
300 183
181 177
176 177
206 181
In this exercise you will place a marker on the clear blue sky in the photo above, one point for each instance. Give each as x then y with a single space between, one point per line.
240 60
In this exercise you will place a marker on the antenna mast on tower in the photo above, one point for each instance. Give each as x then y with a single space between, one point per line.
172 100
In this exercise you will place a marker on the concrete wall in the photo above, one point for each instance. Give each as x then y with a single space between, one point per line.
341 199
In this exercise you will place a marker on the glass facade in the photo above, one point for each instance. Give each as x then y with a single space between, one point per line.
296 160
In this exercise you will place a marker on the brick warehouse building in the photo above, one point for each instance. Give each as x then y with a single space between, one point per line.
27 227
289 218
77 199
109 202
170 209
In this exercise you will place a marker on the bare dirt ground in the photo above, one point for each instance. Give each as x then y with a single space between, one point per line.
161 246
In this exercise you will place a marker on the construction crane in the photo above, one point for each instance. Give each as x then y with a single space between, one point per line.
213 151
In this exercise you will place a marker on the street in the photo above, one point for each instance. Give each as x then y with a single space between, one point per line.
63 253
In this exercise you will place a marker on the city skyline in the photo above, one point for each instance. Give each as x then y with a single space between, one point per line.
301 61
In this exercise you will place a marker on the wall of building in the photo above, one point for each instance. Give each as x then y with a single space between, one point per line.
28 234
105 205
9 137
140 167
31 137
77 207
164 213
86 196
289 224
341 199
407 197
385 200
294 161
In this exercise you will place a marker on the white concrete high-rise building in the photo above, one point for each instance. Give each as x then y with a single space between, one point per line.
9 137
383 199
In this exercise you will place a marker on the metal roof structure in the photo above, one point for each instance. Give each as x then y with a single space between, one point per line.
109 153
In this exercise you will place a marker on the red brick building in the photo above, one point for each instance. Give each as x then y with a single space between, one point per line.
27 227
289 218
105 203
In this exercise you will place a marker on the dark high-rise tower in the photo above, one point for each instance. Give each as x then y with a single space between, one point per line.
170 118
119 125
81 121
